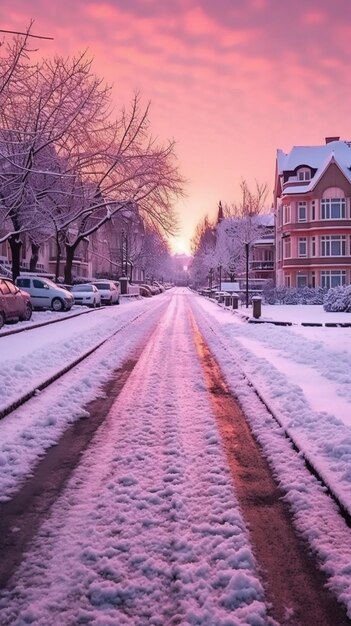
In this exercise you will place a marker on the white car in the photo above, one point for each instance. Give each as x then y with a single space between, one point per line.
86 294
109 291
45 294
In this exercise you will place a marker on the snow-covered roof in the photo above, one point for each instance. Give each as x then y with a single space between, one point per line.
316 157
264 219
299 188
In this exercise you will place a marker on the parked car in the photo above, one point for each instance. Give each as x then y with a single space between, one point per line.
87 294
45 294
145 291
154 290
15 304
161 287
109 291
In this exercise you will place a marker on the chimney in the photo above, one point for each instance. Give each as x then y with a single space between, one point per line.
329 139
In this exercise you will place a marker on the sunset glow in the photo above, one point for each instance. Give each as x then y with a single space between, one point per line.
179 245
228 81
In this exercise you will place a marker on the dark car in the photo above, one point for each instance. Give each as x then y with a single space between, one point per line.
15 304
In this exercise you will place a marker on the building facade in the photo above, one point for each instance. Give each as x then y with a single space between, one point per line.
261 262
312 202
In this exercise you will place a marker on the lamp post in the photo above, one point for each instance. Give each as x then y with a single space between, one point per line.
220 278
210 278
247 274
126 268
124 253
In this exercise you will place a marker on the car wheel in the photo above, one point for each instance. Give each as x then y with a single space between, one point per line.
27 313
57 304
2 319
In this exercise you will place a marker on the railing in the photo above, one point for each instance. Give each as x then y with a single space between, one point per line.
262 265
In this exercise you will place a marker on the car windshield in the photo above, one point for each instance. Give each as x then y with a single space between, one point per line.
102 285
82 288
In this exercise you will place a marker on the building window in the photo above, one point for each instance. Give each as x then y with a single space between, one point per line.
301 280
302 246
333 209
333 278
302 211
333 245
287 248
286 213
313 279
304 174
287 281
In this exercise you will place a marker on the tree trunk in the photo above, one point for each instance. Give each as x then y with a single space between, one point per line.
58 257
34 257
70 250
16 246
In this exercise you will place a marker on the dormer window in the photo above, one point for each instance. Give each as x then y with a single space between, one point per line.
304 174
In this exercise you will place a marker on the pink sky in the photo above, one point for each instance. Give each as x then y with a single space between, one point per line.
230 81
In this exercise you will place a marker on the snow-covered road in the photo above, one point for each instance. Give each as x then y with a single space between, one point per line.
148 532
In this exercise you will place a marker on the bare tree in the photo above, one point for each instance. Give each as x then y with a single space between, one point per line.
63 111
242 228
126 170
56 106
155 257
203 246
11 59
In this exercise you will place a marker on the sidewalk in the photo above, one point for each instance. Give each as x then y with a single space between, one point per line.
300 314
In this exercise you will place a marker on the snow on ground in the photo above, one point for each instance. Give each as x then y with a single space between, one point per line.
27 358
148 531
40 317
149 525
294 373
305 381
301 313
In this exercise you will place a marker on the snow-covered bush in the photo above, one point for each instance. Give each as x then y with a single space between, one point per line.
312 295
269 292
338 299
292 295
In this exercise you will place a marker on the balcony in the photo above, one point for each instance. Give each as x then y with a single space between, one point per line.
262 265
317 261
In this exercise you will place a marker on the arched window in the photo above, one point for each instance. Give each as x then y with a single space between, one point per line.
333 204
304 174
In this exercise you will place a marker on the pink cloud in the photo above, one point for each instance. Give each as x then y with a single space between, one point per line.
231 82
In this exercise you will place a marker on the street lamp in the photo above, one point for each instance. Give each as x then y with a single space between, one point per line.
210 278
247 273
124 253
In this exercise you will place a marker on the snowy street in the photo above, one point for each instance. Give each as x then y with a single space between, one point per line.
149 530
